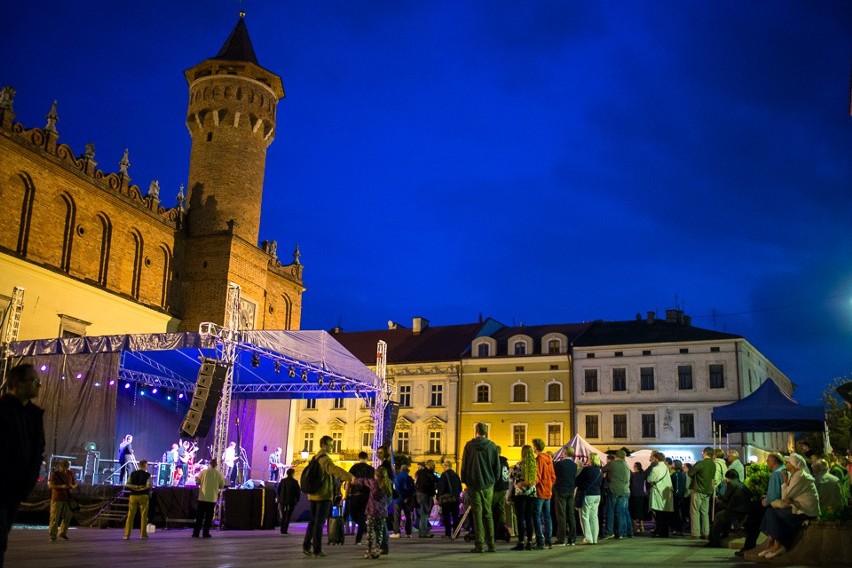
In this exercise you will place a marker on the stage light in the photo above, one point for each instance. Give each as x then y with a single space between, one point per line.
180 395
255 360
304 376
62 377
97 384
292 372
79 375
331 384
154 391
127 385
111 382
168 397
142 393
43 368
320 380
343 387
277 367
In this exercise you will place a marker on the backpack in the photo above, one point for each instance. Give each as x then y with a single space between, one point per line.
502 482
312 477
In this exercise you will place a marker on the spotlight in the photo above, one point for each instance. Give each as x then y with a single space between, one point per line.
43 368
292 372
255 360
343 388
180 395
79 375
111 382
331 384
97 384
277 365
154 391
127 385
142 393
304 376
168 397
320 380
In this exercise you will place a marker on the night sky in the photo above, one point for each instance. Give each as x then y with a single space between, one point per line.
535 162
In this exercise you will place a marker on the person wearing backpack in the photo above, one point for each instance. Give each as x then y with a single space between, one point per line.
317 481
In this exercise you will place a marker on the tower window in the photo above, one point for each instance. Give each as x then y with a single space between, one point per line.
209 136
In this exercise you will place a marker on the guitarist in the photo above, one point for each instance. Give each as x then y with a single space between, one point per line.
186 451
275 465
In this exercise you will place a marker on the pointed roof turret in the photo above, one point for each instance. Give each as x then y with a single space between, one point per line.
238 45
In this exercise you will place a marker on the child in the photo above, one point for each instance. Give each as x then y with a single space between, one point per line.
381 491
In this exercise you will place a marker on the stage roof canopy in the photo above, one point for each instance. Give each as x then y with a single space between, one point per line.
269 364
769 409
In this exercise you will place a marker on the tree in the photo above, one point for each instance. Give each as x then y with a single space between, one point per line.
837 416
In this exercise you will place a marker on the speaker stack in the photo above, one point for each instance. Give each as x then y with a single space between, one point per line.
208 391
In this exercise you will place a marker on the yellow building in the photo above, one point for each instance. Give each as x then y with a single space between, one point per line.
518 381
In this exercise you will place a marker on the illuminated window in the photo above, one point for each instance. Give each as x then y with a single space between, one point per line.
554 435
366 439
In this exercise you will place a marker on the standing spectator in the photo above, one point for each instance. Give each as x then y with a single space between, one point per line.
498 500
61 483
799 502
321 500
386 458
209 482
425 485
660 496
679 492
380 492
563 499
545 477
359 495
732 508
606 509
139 485
523 479
733 462
619 488
638 498
589 493
702 475
289 494
449 489
21 444
403 503
480 468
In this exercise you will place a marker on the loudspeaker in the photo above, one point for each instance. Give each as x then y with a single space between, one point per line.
391 416
205 399
253 484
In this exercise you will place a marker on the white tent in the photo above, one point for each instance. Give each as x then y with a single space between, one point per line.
582 450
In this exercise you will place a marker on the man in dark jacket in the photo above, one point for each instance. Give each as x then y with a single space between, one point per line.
21 444
425 484
356 499
402 503
498 501
733 506
289 494
563 499
480 468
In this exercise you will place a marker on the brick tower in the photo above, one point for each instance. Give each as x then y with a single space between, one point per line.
231 118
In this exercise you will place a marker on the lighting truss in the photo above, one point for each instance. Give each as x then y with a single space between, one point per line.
139 377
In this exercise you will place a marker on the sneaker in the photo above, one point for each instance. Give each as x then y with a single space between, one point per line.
63 536
395 535
307 552
195 535
208 535
368 555
492 549
408 536
53 539
125 538
320 554
477 551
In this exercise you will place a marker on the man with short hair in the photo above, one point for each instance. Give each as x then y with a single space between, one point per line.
733 462
702 475
619 487
480 467
563 499
733 507
403 503
449 489
139 485
61 483
426 485
773 491
828 488
229 461
288 494
321 500
359 495
209 481
21 444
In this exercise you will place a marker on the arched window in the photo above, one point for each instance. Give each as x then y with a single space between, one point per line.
554 391
106 242
554 346
167 274
519 392
483 393
68 236
137 263
482 350
519 348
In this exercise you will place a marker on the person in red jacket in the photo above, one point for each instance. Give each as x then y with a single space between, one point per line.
544 480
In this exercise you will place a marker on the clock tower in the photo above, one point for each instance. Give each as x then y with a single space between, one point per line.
231 119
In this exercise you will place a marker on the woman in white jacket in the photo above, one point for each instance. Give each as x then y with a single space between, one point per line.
661 494
799 502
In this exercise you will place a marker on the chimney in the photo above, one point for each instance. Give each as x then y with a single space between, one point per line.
392 324
687 320
651 316
672 316
336 330
638 316
419 325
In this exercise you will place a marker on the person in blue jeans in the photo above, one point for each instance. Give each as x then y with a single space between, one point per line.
619 487
544 480
426 485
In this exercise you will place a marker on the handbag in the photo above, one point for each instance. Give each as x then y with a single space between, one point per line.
74 505
448 499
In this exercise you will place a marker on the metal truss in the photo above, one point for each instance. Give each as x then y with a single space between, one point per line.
163 371
180 385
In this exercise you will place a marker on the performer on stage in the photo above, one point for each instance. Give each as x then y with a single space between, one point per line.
172 461
275 465
229 458
125 453
186 451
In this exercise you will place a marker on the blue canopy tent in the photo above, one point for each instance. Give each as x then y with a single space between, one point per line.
768 409
91 385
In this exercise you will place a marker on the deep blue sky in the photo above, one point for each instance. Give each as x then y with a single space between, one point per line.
535 162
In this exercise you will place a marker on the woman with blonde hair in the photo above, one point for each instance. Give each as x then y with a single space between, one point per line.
523 480
589 498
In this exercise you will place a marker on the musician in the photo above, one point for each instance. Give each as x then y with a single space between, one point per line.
275 464
125 454
229 458
186 451
172 461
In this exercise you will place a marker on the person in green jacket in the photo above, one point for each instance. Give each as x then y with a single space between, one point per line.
321 500
702 487
619 486
480 468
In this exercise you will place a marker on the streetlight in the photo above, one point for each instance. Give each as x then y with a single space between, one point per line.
305 453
